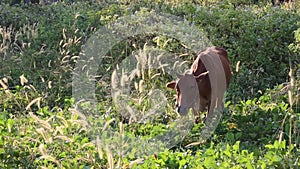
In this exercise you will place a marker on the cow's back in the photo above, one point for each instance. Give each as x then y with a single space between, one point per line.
222 53
198 67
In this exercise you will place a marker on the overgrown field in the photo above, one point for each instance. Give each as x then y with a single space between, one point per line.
42 124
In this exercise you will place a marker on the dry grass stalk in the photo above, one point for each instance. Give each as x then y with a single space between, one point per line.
87 145
58 129
110 158
99 148
23 80
65 138
43 123
37 101
75 112
45 155
121 127
140 160
3 83
292 100
107 123
84 124
292 85
42 132
62 119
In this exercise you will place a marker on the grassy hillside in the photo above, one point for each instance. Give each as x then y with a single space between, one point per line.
46 72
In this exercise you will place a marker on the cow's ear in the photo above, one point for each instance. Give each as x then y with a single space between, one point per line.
202 75
171 85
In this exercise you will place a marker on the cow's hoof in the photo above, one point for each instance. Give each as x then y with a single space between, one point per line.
197 120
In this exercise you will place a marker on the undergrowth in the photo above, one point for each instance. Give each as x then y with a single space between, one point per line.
41 128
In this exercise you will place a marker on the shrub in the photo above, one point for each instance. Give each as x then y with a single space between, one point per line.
42 42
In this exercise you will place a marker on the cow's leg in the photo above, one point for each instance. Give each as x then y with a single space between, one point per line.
202 107
203 104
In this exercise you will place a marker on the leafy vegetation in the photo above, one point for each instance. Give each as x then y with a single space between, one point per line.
41 44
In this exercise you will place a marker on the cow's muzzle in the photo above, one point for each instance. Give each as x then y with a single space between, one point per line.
182 110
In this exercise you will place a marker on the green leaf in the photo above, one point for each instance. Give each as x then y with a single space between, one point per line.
236 146
227 151
182 163
248 102
269 146
276 144
10 123
210 152
230 136
210 162
248 165
84 140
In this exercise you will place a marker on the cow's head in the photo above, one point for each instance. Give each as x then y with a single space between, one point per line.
187 91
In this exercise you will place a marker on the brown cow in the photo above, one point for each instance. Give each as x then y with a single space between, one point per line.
205 84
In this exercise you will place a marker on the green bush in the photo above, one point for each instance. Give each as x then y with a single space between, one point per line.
260 127
257 38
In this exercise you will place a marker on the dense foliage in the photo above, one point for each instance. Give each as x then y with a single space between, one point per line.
41 43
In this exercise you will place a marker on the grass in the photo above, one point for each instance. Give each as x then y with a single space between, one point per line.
41 128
